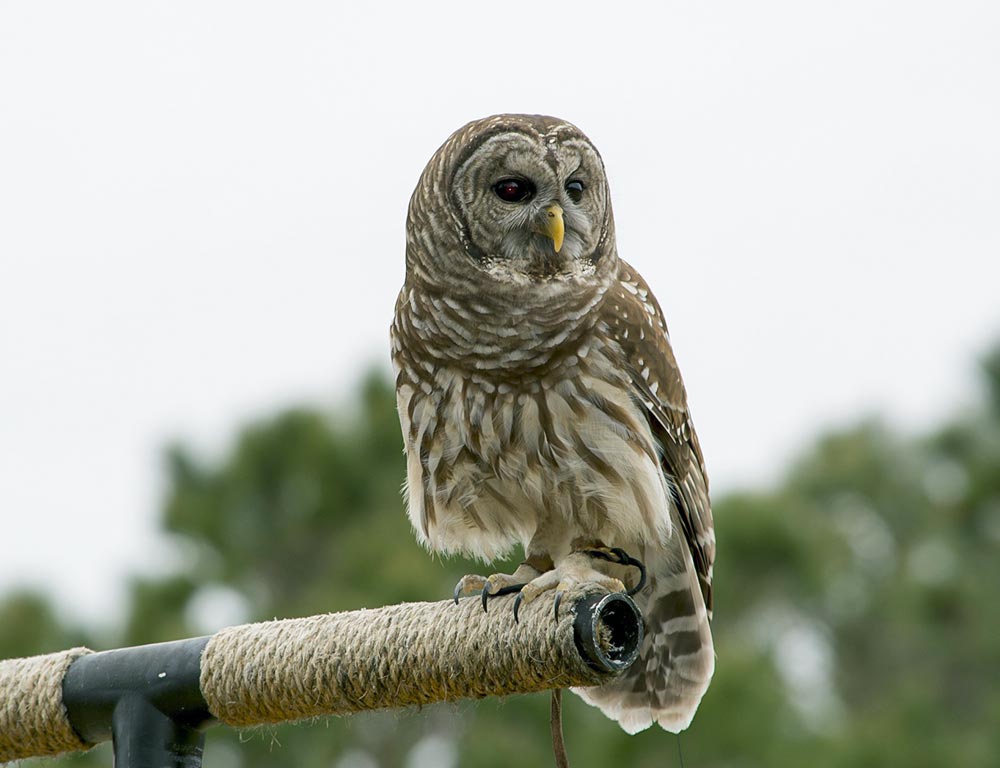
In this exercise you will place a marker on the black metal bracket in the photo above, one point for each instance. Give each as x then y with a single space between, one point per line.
146 699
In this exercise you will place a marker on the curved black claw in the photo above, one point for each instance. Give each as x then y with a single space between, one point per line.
508 590
621 557
555 607
627 559
458 591
517 605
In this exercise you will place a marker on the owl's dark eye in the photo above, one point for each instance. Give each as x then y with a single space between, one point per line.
574 188
514 190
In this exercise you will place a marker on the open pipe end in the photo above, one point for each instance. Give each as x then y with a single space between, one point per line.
608 631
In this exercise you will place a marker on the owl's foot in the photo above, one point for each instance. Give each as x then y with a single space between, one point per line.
579 568
496 585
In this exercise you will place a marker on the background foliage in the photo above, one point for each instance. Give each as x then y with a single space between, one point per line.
857 616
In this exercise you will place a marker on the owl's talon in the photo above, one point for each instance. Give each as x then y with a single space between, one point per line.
642 576
517 605
469 584
507 589
619 556
555 607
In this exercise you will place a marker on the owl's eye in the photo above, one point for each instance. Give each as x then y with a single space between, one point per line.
574 188
514 190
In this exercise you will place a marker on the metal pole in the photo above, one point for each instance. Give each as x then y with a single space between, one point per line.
144 737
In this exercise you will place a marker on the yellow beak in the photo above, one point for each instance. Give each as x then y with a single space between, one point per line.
554 226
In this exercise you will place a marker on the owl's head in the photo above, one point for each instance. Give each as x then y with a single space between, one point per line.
517 199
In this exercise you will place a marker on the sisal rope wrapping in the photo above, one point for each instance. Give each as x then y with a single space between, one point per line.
33 720
397 656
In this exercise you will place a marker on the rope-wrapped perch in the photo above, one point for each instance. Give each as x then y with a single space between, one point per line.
335 664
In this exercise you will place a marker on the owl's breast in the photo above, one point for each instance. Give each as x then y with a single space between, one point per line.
489 457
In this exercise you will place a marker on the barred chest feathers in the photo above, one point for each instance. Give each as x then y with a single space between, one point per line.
514 424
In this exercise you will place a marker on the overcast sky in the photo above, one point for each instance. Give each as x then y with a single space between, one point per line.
202 209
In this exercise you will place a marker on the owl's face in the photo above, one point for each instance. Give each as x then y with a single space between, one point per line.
532 199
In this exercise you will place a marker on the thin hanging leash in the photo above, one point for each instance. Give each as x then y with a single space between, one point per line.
555 723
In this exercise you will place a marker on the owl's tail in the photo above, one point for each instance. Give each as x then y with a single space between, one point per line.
677 658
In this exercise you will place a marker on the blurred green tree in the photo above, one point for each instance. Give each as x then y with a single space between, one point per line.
857 618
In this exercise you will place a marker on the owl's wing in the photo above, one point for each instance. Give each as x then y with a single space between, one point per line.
634 319
677 660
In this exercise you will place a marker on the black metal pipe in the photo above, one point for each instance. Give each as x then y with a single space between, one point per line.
608 631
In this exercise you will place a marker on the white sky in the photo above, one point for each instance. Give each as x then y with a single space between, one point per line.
202 209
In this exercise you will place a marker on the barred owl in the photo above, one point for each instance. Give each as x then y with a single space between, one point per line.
541 403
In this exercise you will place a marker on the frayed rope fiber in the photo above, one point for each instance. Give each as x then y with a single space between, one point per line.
397 656
33 720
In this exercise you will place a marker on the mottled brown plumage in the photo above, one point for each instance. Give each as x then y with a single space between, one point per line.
540 400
